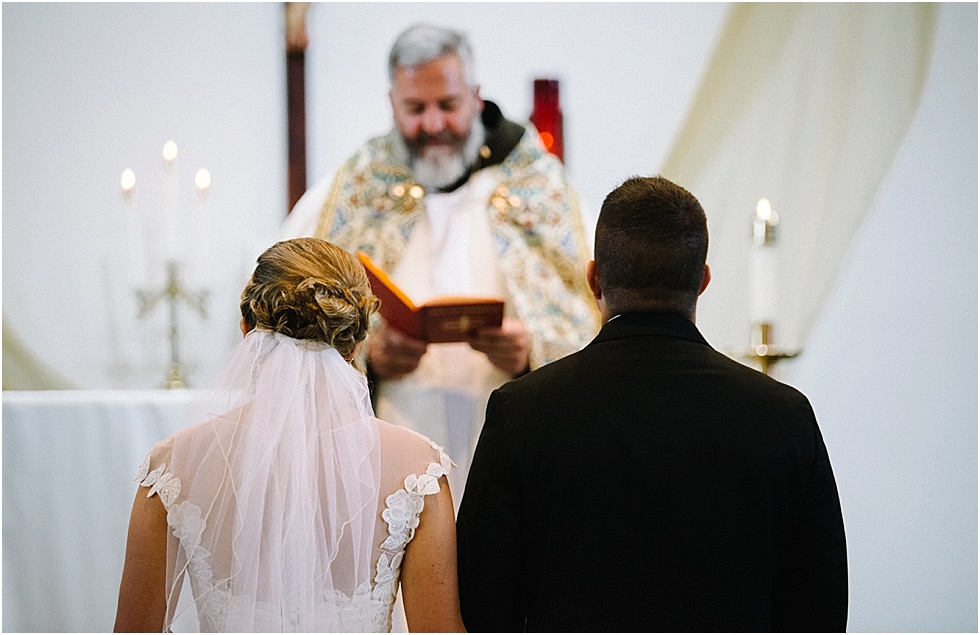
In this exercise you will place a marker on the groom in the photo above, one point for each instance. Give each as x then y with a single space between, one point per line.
648 482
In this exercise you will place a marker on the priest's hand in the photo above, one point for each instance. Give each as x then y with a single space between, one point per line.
507 347
392 354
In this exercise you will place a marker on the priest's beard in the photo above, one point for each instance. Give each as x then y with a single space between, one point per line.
438 166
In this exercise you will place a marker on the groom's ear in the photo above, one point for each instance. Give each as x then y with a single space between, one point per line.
593 278
705 279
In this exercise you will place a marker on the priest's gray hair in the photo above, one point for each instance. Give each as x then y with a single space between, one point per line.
422 43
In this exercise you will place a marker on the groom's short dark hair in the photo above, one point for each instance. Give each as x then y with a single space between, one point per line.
651 243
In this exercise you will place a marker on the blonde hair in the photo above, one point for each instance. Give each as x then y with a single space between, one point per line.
309 289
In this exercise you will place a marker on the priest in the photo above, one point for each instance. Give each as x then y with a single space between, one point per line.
457 200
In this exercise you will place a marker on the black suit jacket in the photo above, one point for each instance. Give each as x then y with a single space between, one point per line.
650 483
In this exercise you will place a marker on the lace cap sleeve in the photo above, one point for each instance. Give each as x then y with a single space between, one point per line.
159 480
405 505
428 482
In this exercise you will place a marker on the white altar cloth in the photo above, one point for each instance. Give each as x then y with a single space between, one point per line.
69 458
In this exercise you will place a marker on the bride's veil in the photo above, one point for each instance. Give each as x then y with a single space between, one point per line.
276 516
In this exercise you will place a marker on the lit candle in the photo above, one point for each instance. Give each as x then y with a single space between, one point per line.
202 183
171 210
765 270
133 227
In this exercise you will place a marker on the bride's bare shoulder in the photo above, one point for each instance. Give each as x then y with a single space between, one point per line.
391 433
409 448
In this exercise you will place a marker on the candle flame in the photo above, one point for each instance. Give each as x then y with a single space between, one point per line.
128 180
202 179
763 210
169 151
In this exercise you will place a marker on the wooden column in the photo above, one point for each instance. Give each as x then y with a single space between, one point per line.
296 41
296 106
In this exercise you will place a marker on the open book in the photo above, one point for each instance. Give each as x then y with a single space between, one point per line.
444 319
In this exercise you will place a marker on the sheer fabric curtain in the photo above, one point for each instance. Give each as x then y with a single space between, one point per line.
806 105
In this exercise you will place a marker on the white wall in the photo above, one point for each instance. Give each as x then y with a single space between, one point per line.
891 367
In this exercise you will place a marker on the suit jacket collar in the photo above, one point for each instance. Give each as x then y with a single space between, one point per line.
662 324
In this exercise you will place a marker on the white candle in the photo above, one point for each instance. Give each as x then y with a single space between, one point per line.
202 183
134 230
765 265
171 209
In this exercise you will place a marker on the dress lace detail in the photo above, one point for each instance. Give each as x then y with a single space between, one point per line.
159 481
369 610
402 511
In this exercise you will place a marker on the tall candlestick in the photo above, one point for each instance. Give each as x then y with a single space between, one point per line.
134 230
202 183
171 209
765 266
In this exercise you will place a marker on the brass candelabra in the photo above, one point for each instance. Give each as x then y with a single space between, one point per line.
763 352
173 293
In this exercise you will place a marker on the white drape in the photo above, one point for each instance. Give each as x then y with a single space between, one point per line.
806 105
23 370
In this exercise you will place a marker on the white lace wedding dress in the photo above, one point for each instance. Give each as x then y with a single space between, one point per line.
411 467
292 509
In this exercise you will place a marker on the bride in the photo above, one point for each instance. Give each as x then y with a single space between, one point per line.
288 506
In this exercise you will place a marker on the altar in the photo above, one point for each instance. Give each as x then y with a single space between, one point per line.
69 458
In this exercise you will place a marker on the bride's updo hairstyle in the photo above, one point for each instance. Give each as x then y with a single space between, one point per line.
309 289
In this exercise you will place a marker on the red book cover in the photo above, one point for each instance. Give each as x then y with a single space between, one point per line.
444 319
